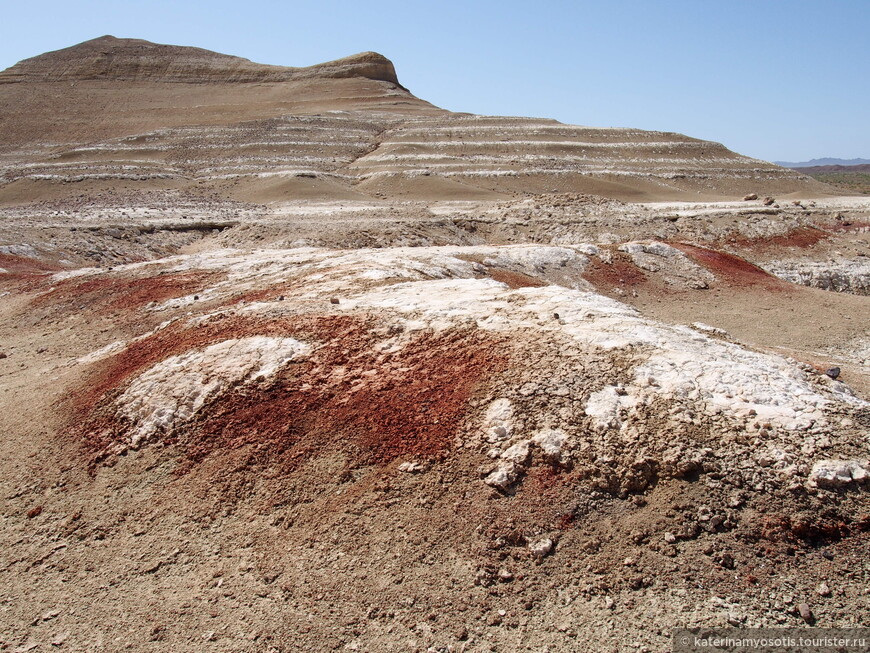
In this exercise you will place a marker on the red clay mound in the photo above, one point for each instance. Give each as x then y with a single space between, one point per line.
731 269
23 272
382 407
801 237
345 396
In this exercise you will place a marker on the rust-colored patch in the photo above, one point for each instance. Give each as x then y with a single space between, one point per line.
731 269
409 403
802 237
25 274
112 373
115 293
620 272
347 394
514 279
22 265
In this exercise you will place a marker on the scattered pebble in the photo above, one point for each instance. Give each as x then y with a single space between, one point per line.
805 612
411 467
541 549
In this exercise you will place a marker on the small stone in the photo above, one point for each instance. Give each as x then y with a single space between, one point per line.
805 612
750 197
670 537
34 512
334 300
51 614
833 372
823 589
503 477
550 442
768 201
835 474
517 454
461 633
541 549
42 350
505 576
608 603
3 355
411 467
209 636
734 619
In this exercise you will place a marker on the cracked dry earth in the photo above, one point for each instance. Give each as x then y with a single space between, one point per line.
432 448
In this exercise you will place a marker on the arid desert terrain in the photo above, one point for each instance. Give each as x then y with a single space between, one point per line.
293 360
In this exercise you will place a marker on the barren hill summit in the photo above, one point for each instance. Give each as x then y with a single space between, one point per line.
111 58
154 117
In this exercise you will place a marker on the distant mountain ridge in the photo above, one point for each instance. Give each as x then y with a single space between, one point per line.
113 111
827 161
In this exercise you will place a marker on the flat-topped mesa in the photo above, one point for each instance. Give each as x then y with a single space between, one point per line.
110 58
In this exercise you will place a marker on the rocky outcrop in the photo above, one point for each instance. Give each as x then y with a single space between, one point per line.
849 276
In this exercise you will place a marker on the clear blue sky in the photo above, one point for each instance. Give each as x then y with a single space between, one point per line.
774 79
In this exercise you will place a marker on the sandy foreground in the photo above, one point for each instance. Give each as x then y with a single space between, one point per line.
580 445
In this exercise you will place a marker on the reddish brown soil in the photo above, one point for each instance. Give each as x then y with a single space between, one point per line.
515 279
801 237
731 269
411 407
621 272
22 273
125 294
271 293
176 338
382 406
23 265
